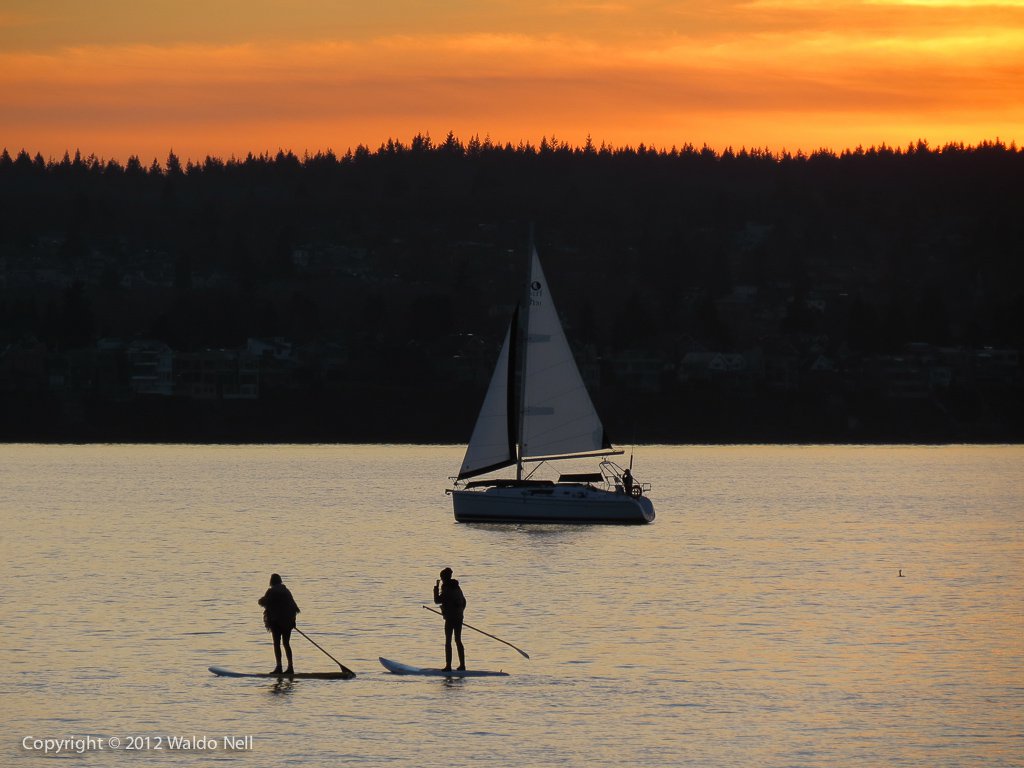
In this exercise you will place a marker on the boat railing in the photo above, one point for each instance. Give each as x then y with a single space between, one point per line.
610 478
496 482
613 479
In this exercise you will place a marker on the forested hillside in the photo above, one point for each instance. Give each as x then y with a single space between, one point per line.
869 295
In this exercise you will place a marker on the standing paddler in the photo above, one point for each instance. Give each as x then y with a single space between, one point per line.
448 594
279 612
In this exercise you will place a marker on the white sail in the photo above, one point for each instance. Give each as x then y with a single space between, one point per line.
558 417
491 447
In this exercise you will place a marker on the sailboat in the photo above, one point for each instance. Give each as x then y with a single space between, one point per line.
536 411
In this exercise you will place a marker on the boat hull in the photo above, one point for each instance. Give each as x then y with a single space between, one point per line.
562 503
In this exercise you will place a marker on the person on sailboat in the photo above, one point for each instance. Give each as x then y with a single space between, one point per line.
448 594
279 612
627 482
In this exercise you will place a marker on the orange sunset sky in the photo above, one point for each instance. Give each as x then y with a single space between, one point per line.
228 77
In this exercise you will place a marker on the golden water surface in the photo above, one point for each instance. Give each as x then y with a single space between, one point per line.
760 621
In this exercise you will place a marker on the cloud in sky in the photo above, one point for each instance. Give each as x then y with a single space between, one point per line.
120 78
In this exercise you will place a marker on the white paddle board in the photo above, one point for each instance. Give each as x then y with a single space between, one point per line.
404 669
339 675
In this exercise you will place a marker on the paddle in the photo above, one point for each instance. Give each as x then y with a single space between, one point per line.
506 642
344 669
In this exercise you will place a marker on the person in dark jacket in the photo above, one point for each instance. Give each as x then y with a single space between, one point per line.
448 594
627 482
279 612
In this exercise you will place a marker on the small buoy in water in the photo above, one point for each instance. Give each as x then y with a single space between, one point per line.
901 573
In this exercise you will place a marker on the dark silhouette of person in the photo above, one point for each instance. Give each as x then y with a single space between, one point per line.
627 482
448 594
279 612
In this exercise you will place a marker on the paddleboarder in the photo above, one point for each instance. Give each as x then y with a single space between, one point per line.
279 612
448 594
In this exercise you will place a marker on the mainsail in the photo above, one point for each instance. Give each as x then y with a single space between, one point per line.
492 444
544 412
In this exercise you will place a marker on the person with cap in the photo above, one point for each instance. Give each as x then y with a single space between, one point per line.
279 612
448 594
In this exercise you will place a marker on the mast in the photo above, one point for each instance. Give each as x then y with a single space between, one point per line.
514 409
522 331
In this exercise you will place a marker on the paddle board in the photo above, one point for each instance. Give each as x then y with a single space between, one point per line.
339 675
404 669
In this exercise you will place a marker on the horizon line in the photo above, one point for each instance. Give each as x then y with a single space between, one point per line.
422 142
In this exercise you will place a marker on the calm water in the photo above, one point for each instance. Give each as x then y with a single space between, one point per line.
760 621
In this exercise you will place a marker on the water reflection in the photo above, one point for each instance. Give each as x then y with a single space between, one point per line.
282 687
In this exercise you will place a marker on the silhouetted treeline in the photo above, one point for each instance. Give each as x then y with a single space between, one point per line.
870 294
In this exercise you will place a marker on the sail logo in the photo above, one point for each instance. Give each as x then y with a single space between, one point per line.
536 293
